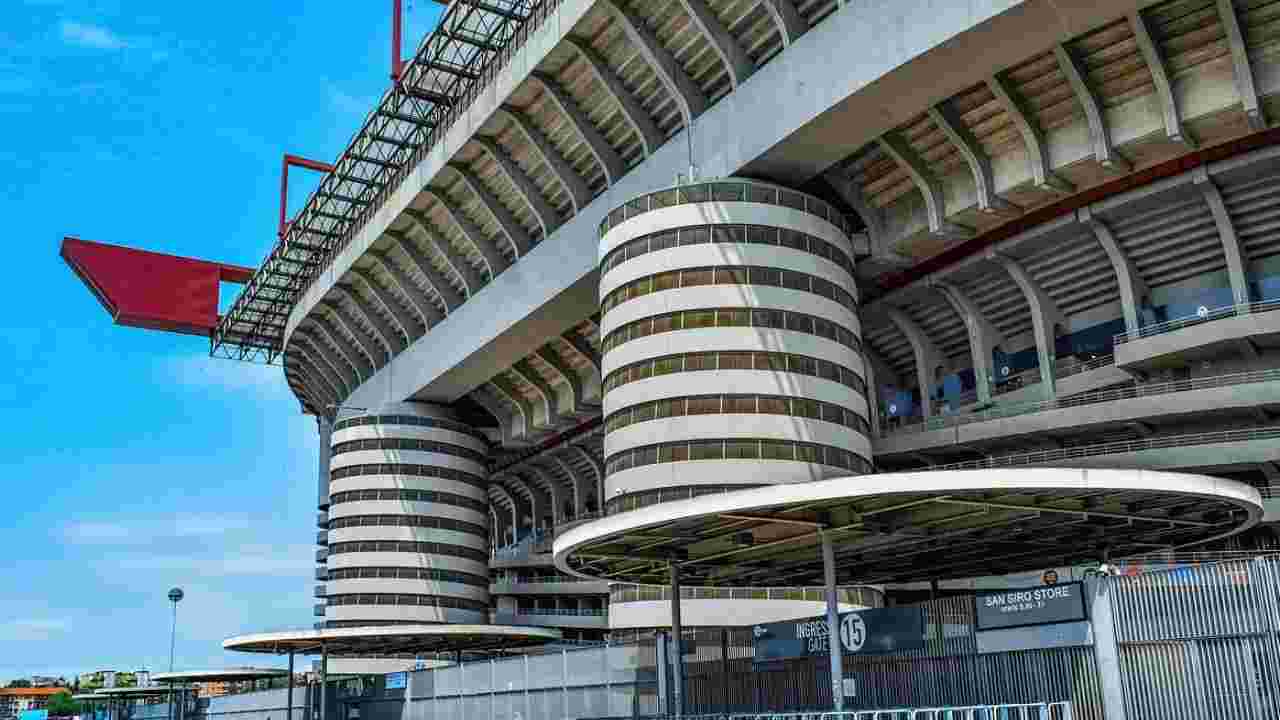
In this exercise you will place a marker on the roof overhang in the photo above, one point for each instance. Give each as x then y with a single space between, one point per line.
904 527
394 640
240 674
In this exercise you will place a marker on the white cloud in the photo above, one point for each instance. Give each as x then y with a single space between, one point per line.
91 36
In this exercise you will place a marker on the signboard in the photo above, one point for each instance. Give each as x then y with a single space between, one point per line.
1063 602
397 681
865 632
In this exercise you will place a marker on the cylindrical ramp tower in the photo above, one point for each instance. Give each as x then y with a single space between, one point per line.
408 527
732 353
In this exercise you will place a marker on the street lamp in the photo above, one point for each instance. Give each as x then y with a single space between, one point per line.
175 596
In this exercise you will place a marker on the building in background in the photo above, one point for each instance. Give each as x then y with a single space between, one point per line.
15 701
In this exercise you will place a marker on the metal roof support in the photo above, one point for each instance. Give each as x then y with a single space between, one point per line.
1099 131
579 490
506 390
736 61
1132 287
791 24
582 348
546 215
574 185
546 396
471 279
488 249
1044 317
1032 137
1237 270
1160 77
449 295
392 340
557 509
427 310
686 93
927 356
896 147
507 223
342 371
363 354
651 138
506 430
953 126
1243 72
598 467
553 360
408 325
608 158
983 336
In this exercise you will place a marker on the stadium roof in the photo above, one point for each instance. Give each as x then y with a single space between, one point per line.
393 640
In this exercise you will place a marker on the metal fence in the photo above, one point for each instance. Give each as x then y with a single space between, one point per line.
1204 315
1201 641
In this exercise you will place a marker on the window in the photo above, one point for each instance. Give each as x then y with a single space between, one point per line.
706 450
728 234
777 450
761 235
699 361
666 281
741 449
735 361
733 318
693 319
676 452
703 405
666 323
766 276
694 236
775 405
740 404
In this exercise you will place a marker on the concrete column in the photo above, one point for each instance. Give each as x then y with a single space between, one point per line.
324 681
1044 315
677 637
325 426
289 702
833 622
983 336
1105 647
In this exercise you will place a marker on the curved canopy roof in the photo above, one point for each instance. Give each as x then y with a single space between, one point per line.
391 640
904 527
236 674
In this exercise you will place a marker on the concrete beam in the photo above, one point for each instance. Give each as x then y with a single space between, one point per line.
1032 137
517 236
574 185
1154 59
471 280
1237 271
501 492
879 244
553 488
309 349
957 132
983 336
437 282
598 467
550 404
604 153
404 319
391 338
790 23
736 61
583 349
553 360
524 409
546 215
1132 287
579 484
1246 87
1044 316
488 249
926 353
345 362
506 429
536 509
317 382
1099 130
363 354
651 138
897 147
427 310
687 94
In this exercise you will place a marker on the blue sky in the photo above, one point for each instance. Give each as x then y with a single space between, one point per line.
131 461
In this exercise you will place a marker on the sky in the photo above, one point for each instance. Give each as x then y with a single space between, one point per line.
131 462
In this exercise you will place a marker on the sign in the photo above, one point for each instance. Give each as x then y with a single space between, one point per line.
397 680
865 632
1063 602
850 686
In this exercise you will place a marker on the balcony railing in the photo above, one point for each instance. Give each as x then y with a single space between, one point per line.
542 579
559 612
724 191
1113 448
996 412
1204 316
857 595
1066 369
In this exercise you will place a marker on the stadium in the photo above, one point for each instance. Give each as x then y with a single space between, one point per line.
788 308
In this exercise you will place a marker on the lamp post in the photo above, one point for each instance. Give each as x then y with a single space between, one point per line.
175 596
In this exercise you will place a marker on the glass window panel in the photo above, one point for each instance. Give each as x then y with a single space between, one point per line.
729 234
696 276
775 405
733 318
808 453
699 319
800 323
761 235
731 276
676 453
777 450
703 405
666 366
742 449
828 370
795 240
735 361
832 413
804 407
694 236
795 280
642 413
664 323
745 404
706 450
663 241
646 456
666 281
766 276
699 361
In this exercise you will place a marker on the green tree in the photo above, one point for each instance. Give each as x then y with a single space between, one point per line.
61 705
20 683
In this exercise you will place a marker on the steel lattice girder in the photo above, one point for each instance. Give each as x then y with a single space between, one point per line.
410 116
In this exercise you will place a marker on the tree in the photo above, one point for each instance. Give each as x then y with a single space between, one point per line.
20 684
61 705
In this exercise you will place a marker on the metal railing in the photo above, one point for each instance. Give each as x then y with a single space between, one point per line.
1112 448
1009 711
557 579
1069 369
724 191
996 412
857 595
561 612
1205 315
